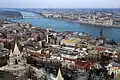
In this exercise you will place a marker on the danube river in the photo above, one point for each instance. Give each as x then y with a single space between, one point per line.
63 25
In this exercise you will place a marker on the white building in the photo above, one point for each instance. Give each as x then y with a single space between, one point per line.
114 67
16 64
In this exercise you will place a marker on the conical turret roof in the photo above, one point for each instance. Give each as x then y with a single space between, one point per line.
16 50
10 53
59 75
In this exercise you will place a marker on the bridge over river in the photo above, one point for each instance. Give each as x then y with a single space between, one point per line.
30 15
6 13
63 25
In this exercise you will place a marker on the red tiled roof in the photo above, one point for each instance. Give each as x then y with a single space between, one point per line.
69 59
100 49
6 40
87 65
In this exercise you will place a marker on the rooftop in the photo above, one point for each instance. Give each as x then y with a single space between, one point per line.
71 40
114 64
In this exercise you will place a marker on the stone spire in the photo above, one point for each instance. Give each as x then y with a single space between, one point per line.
16 50
10 61
16 64
15 55
10 53
59 75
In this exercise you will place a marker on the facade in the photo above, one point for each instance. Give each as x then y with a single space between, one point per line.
1 46
16 64
114 68
59 38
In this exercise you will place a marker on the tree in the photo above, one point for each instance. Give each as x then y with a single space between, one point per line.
118 57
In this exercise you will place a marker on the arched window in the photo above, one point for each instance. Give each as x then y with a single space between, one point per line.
16 62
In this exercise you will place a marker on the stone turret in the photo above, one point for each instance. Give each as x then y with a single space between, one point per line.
59 75
16 64
16 50
15 57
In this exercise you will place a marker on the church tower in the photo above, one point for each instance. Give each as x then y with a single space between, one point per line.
101 34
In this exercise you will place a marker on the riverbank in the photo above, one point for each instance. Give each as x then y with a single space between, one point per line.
85 23
101 26
68 25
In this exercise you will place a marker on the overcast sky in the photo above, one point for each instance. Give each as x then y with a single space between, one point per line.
59 3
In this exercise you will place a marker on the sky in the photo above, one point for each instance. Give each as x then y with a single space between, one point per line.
59 3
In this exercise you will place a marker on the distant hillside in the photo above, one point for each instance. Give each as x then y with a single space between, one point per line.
10 14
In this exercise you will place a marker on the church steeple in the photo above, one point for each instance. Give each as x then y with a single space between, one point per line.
101 34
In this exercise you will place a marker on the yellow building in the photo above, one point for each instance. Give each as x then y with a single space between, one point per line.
71 41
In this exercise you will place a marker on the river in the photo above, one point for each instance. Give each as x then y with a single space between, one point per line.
63 25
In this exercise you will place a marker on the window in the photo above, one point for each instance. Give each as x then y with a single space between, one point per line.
19 60
16 62
14 72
